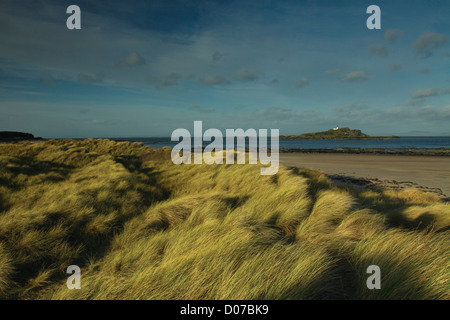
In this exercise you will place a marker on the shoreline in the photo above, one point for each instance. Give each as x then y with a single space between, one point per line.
385 151
411 151
445 152
376 184
426 172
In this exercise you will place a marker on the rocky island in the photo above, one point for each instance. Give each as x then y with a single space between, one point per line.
337 134
11 136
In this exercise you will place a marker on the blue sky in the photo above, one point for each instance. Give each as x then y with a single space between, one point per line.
146 68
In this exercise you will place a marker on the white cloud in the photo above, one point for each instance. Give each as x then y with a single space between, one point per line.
424 113
247 75
133 59
378 50
424 93
89 79
428 42
355 76
392 35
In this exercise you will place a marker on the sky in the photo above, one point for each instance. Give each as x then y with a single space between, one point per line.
146 68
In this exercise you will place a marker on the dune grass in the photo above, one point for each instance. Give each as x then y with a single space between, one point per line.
140 227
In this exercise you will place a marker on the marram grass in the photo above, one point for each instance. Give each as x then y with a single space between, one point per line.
140 227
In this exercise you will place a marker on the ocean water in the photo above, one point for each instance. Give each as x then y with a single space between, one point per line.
401 143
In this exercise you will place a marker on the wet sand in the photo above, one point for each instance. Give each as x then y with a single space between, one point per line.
430 173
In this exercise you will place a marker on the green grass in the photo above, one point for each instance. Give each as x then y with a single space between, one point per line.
141 227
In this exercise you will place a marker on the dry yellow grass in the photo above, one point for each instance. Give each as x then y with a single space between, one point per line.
141 227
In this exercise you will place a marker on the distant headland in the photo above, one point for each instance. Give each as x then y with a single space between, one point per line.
11 136
337 134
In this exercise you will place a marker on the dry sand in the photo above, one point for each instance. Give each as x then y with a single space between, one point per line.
430 173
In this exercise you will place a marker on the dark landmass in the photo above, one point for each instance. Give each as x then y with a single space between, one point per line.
339 134
12 136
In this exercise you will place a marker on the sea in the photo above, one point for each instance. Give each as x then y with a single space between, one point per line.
400 143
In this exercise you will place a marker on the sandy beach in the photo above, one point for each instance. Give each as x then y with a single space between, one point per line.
430 173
